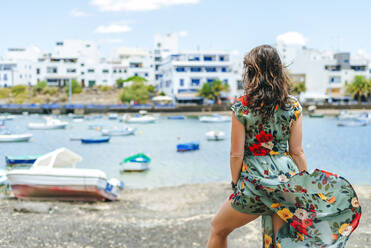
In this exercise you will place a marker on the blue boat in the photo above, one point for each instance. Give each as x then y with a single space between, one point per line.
185 147
20 161
95 140
176 117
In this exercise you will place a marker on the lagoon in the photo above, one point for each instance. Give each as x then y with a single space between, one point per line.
343 150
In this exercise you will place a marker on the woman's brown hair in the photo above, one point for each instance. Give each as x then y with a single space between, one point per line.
266 81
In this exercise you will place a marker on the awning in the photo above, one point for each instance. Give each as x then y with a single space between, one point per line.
162 98
188 96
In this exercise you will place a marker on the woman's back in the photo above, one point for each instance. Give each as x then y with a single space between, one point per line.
266 137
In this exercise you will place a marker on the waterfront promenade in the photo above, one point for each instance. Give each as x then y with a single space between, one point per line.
162 217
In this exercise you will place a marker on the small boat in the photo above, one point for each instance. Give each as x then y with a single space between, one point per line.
119 132
137 162
215 135
176 117
95 140
112 116
96 127
55 176
10 137
7 117
365 117
141 119
316 115
185 147
20 161
215 118
50 123
352 123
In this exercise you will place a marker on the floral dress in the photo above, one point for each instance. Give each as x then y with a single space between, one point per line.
320 209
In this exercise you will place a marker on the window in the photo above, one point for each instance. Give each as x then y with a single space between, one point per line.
114 71
225 81
82 65
59 44
91 70
91 83
208 58
71 70
5 77
38 71
209 80
221 58
335 80
210 69
82 73
105 81
146 74
180 69
194 58
52 70
196 69
181 82
105 71
224 69
136 74
195 82
168 83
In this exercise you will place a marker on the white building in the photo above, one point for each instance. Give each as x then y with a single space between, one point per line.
183 74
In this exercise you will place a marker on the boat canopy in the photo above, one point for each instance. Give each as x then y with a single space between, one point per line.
60 158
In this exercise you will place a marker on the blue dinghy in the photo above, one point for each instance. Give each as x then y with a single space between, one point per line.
185 147
176 117
95 140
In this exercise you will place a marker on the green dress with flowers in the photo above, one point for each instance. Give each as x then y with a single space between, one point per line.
320 209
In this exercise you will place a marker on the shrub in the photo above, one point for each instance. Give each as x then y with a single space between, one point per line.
104 88
50 91
18 89
40 86
138 91
120 82
76 87
4 93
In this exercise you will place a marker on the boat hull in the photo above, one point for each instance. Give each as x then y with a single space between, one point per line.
36 126
15 138
95 141
132 167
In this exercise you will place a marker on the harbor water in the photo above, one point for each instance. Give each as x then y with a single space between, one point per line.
343 150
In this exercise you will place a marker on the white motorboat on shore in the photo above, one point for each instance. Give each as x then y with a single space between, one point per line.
54 176
215 135
215 118
50 123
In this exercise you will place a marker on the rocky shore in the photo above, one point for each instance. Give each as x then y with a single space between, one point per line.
161 217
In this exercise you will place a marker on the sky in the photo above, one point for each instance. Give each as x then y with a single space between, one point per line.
204 24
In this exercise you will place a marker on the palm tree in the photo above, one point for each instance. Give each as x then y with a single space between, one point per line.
298 88
213 89
368 90
358 87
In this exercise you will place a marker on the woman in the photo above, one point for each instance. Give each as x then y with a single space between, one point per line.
269 170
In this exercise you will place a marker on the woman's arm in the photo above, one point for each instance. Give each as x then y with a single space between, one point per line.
295 144
237 148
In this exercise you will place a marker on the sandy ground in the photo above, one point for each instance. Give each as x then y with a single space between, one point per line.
162 217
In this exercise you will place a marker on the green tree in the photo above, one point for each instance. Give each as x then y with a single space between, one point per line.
138 91
135 79
298 88
120 83
358 87
76 87
213 90
40 86
162 93
368 90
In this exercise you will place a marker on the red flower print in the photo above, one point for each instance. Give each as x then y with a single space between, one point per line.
258 150
304 190
243 100
328 174
266 172
324 181
307 222
260 126
263 137
245 112
299 227
231 196
355 221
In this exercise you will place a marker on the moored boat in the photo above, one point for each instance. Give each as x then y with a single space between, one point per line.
190 146
215 118
176 117
215 135
119 132
10 137
316 115
96 140
137 162
352 123
140 119
54 176
50 123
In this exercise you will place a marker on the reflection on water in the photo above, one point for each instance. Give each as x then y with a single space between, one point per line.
343 150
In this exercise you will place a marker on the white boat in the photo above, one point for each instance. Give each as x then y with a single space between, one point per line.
141 119
215 135
365 117
352 123
215 118
50 123
3 178
113 116
15 137
119 132
7 117
54 176
137 162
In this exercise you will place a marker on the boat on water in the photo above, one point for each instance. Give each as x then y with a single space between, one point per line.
7 117
96 140
55 176
316 115
20 161
11 137
352 123
215 135
118 132
113 116
50 123
365 117
95 127
190 146
176 117
137 162
140 119
215 118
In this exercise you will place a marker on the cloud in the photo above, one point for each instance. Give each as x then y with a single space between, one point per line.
183 33
110 41
112 28
138 5
292 38
78 13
